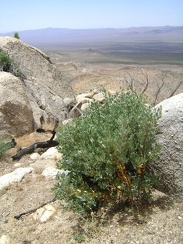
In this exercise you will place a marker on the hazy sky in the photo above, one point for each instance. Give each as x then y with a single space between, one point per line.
16 15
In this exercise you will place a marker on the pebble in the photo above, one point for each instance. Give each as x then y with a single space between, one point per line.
43 214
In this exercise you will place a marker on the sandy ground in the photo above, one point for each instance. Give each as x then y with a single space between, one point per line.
161 222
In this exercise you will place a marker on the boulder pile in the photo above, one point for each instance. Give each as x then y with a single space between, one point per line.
43 85
44 95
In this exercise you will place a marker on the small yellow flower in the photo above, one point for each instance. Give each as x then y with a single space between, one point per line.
140 169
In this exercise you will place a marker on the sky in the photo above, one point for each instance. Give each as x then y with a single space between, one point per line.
18 15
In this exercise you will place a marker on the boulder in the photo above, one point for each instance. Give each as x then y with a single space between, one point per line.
16 116
170 136
45 85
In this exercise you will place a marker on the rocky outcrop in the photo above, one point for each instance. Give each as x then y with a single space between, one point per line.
16 117
170 136
45 86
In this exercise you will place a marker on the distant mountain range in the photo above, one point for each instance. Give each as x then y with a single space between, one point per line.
56 36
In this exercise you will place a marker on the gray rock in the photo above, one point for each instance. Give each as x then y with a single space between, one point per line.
170 136
51 153
35 156
51 172
16 116
15 176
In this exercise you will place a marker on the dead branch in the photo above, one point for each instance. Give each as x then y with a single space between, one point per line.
145 75
32 148
161 76
140 78
130 81
157 92
18 216
175 89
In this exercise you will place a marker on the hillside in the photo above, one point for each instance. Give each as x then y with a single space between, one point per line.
55 36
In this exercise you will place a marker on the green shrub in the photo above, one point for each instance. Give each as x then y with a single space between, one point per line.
5 61
4 147
16 35
79 237
8 65
107 152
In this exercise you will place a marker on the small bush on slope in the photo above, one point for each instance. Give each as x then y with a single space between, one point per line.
8 65
16 35
5 61
107 152
4 147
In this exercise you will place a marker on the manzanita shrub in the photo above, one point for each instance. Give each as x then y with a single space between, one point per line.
107 151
